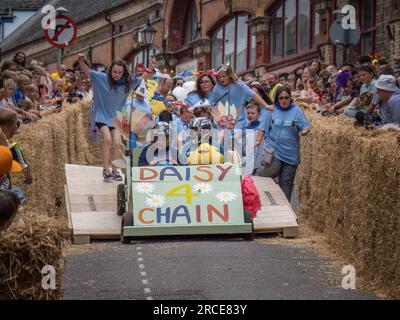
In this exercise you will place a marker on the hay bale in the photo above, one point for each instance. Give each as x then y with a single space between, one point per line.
36 238
32 242
349 189
50 144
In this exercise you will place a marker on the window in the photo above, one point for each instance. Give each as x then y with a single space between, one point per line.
304 25
277 34
291 28
191 23
368 26
253 51
218 47
233 43
316 25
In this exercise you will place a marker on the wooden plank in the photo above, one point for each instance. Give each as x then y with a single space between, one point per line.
276 219
98 188
82 171
92 204
271 194
96 223
101 202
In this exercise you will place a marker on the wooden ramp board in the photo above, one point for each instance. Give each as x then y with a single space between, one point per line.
276 213
91 204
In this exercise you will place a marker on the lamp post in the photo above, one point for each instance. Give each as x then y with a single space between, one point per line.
147 35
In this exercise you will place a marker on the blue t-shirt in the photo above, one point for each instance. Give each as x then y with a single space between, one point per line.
282 130
194 98
236 94
107 100
390 110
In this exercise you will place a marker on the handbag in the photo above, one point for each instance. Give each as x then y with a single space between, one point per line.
270 165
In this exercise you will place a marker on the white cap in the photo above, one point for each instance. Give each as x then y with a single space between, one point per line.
387 83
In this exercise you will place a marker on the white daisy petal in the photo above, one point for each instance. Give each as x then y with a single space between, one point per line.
155 201
226 197
145 188
203 188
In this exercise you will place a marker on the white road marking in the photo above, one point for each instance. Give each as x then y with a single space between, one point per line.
143 273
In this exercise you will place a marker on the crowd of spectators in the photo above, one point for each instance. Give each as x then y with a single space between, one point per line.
271 105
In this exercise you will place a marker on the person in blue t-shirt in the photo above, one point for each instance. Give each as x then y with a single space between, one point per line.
282 129
202 95
237 93
110 91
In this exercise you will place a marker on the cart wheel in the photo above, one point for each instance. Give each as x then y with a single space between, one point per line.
250 236
121 207
127 221
249 219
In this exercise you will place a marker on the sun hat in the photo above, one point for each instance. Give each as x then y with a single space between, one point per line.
387 83
7 164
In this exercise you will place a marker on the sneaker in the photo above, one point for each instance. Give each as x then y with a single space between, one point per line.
107 176
116 176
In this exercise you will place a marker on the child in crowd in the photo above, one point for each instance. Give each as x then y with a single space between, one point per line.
253 113
9 126
253 123
8 166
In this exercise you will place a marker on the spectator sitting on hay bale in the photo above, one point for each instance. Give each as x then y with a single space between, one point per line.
7 166
367 75
389 94
9 126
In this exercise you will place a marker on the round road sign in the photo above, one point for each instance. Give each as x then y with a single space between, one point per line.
64 34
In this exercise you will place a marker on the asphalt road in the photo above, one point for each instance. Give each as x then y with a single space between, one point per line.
212 269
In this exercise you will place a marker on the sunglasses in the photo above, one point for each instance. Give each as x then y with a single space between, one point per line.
284 98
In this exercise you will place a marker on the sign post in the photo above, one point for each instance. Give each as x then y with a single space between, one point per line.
343 34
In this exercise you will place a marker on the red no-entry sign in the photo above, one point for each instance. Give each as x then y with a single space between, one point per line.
64 34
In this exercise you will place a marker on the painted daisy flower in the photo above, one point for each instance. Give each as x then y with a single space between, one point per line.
226 197
155 201
145 188
203 187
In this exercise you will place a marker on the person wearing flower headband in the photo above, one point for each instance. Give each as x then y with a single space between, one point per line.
230 89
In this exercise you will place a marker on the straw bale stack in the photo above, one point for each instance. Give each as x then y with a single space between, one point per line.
349 189
36 237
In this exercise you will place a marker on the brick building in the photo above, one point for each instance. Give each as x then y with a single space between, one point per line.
272 34
255 35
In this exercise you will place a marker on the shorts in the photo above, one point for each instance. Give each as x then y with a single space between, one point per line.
101 125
